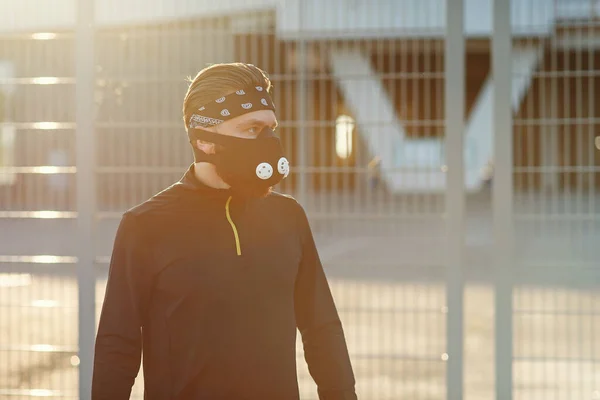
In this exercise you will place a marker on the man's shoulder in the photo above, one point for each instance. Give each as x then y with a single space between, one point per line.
282 199
285 205
161 203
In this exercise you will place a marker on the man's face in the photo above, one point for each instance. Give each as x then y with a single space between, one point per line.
247 126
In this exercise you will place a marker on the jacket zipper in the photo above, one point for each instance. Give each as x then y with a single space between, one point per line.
236 236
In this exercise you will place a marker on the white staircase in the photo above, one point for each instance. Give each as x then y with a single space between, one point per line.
373 111
417 165
479 138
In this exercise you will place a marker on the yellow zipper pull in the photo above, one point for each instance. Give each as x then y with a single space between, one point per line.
233 227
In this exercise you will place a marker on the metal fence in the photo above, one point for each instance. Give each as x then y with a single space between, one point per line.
556 160
460 251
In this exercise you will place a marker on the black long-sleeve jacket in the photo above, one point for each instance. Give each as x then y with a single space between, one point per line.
211 288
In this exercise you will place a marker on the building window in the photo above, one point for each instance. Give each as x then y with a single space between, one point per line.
344 132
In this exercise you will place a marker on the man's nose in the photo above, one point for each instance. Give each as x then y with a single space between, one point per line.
266 133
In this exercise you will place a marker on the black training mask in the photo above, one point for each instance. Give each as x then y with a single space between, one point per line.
245 164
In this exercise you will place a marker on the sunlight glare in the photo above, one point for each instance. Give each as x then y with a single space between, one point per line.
45 80
43 36
14 280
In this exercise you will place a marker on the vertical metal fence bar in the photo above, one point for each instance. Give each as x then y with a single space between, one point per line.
455 193
502 194
86 196
301 98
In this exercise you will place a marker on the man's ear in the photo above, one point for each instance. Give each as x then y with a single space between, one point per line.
208 148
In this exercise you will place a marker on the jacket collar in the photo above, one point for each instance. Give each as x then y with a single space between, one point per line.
190 182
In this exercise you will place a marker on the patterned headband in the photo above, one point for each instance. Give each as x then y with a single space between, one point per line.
233 105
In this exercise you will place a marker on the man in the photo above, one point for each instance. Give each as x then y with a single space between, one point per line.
212 276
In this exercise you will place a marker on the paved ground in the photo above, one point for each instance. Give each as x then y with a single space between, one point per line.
386 264
396 333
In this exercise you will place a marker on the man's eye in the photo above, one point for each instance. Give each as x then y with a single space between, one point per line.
252 129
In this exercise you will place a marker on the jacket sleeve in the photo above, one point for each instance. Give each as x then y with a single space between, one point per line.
317 319
118 342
